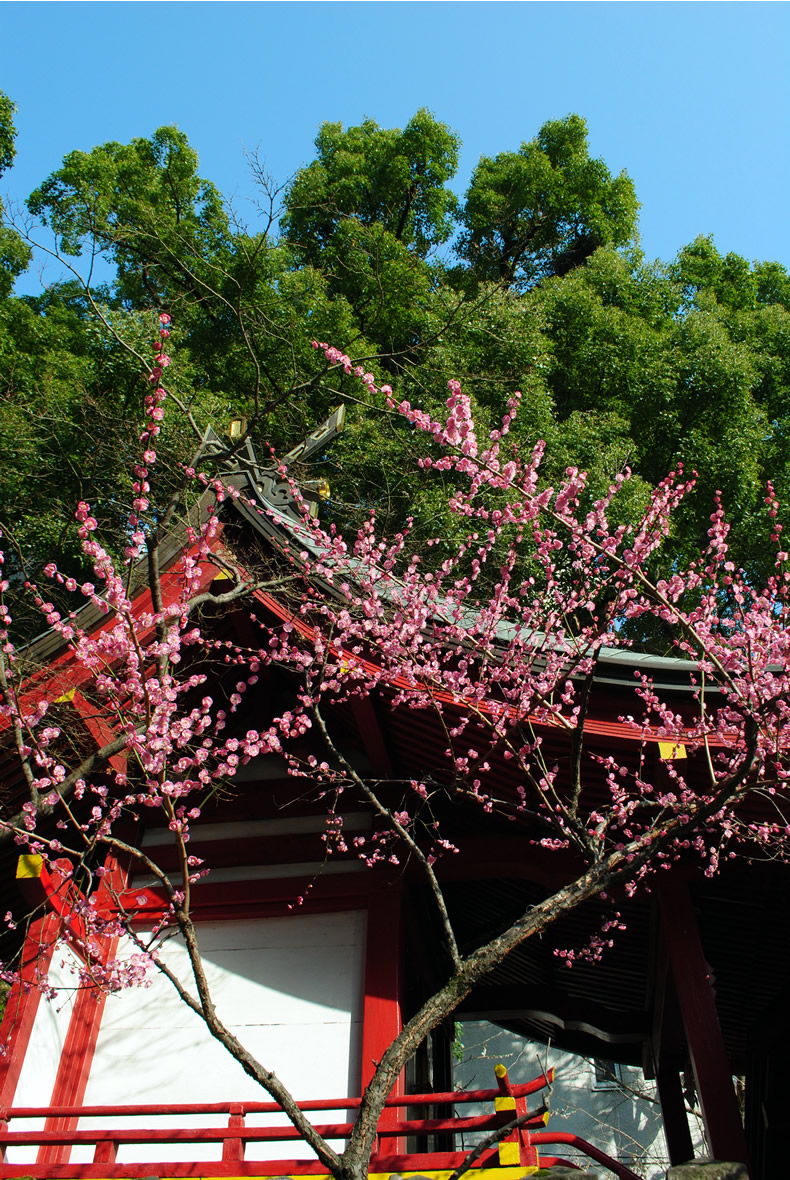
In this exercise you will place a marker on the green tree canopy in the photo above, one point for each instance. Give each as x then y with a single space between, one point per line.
14 253
544 209
384 177
7 132
622 363
144 205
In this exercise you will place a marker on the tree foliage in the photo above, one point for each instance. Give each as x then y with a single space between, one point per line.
544 209
533 281
144 205
14 253
376 177
7 132
533 292
501 671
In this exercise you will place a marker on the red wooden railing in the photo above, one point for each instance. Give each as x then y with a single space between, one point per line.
61 1132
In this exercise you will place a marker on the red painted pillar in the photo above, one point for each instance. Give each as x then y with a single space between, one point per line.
667 1060
22 1004
76 1059
381 1021
712 1071
79 1046
673 1112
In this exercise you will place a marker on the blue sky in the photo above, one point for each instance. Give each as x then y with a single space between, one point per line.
690 98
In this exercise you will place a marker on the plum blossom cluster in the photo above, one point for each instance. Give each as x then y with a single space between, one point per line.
154 410
508 654
503 658
167 740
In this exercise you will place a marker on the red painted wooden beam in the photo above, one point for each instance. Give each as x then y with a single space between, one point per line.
347 1102
50 885
691 974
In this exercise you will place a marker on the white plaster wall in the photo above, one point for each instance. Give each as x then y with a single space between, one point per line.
289 988
40 1066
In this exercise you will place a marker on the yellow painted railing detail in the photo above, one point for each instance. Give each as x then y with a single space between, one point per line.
509 1155
29 865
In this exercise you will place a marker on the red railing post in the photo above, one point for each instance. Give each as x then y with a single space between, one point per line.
105 1152
517 1150
233 1149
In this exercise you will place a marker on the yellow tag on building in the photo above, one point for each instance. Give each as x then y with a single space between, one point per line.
669 751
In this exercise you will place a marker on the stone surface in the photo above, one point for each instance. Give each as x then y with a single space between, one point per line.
708 1170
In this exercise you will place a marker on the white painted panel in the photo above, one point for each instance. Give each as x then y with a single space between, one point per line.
37 1078
289 988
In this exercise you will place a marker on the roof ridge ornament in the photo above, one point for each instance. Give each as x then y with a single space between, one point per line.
266 483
